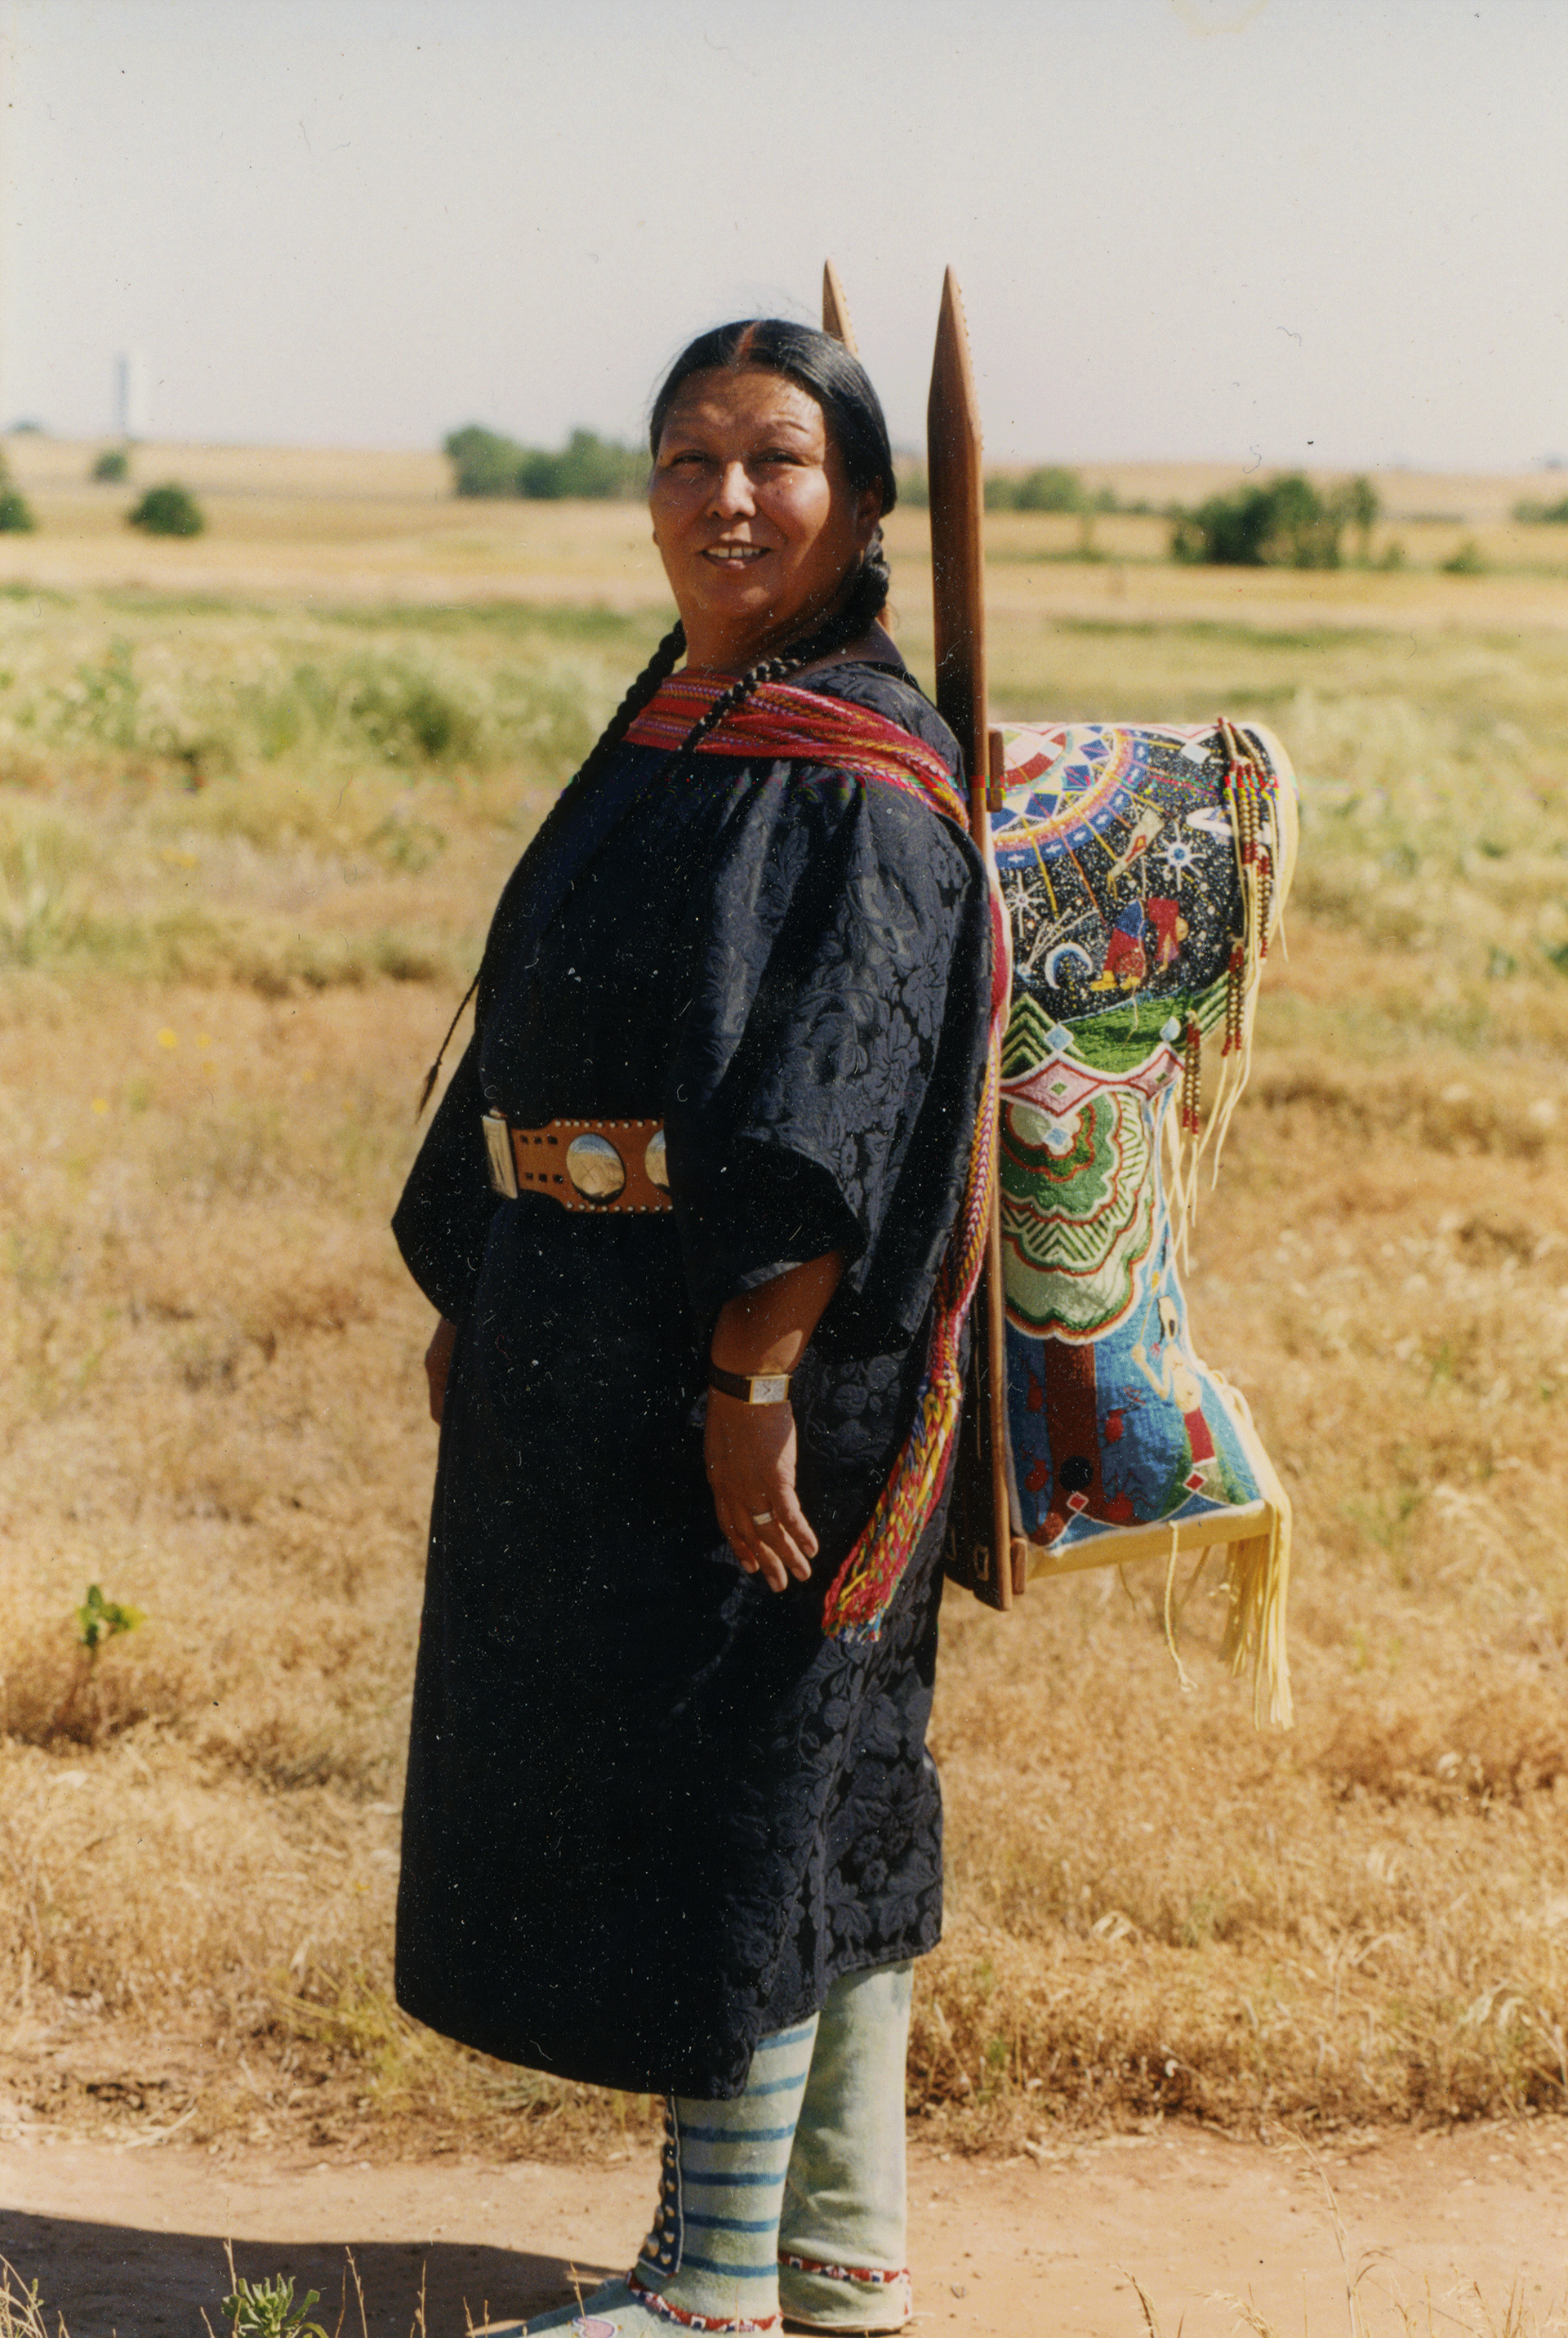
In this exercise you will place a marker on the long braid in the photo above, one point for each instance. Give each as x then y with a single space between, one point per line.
657 672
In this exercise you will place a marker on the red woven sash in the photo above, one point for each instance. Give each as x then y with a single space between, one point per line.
779 722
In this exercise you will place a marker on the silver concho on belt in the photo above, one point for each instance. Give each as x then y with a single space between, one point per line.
596 1168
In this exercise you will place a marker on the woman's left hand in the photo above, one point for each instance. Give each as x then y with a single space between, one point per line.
749 1453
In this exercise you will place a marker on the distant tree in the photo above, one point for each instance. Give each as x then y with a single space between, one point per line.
1051 489
16 513
600 469
1362 506
1536 515
482 462
112 465
168 510
1285 523
1468 560
914 486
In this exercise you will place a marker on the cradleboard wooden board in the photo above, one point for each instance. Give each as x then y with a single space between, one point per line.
836 309
982 1550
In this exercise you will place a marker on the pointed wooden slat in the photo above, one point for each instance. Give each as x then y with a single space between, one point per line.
836 309
982 1535
953 453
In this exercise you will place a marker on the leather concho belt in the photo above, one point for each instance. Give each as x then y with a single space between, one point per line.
583 1164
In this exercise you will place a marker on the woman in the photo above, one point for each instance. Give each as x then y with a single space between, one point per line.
671 1824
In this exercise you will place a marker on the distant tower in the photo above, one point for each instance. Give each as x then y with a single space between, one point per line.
131 394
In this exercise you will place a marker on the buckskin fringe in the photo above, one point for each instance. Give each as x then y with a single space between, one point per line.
1264 828
787 723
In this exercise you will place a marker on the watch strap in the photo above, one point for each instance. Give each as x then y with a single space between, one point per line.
750 1388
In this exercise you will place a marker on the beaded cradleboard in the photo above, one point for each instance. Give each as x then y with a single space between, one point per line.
1144 867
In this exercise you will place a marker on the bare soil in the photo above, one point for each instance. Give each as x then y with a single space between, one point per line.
130 2240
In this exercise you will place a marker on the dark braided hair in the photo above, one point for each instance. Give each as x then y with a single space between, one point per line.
852 412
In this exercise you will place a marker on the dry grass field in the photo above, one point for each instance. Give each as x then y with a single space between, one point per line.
257 794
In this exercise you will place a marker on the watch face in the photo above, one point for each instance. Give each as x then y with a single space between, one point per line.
768 1387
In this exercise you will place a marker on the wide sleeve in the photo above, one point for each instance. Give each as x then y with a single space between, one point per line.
828 1065
442 1222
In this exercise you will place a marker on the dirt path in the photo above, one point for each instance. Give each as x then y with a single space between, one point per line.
129 2241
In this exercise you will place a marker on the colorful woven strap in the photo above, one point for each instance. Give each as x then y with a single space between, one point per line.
783 723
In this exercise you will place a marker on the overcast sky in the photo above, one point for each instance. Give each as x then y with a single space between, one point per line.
1274 230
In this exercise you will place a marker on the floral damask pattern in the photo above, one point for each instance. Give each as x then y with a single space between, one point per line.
653 1814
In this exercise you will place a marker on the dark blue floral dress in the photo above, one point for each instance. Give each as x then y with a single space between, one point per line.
652 1813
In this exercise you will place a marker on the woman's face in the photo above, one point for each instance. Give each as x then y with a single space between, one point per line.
756 521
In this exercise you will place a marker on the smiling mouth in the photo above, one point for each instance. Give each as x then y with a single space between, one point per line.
734 556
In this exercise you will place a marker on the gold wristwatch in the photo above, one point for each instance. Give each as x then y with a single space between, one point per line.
750 1388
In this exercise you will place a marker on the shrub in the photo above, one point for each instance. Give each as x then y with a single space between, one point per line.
1285 523
166 510
1361 504
1047 488
482 462
1468 560
1534 515
600 469
112 465
16 516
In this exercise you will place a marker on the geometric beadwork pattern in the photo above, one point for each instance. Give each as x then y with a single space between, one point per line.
1121 849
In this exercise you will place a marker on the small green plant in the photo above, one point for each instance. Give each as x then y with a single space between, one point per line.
99 1620
168 510
1469 560
113 467
21 2309
267 2309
